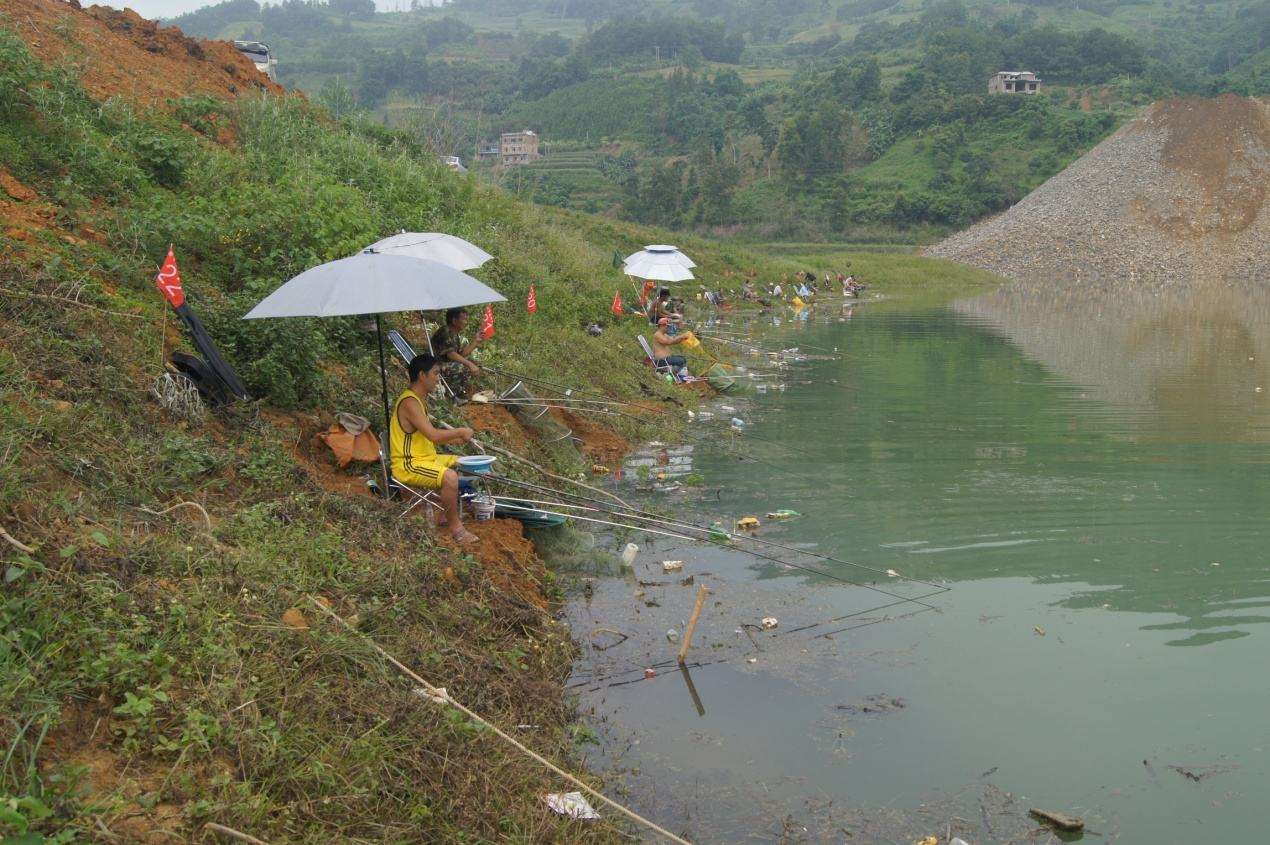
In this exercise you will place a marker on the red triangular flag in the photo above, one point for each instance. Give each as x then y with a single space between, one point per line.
487 323
616 307
169 281
532 304
643 294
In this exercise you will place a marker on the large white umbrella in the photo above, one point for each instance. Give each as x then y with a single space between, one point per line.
663 250
436 246
663 268
374 283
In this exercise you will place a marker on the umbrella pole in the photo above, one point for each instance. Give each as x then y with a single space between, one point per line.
383 383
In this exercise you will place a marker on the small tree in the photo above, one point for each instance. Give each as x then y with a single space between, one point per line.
336 97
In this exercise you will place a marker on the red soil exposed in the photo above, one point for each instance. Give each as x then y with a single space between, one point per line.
120 54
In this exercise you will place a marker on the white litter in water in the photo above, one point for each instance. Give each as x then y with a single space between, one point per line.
672 565
769 622
892 573
570 804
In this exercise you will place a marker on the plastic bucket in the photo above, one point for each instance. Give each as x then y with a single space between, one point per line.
483 508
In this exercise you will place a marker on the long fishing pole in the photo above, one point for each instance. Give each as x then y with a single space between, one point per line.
658 518
596 521
565 389
525 403
596 678
651 516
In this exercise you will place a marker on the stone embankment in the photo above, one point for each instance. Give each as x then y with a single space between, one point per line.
1175 198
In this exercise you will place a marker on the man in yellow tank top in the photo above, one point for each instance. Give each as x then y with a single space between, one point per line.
413 440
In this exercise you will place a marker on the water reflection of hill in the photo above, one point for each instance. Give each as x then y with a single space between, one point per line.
1192 363
1124 449
1179 376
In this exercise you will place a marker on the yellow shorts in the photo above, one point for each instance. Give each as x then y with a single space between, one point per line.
426 474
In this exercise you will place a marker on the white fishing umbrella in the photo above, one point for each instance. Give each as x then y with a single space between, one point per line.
436 246
663 250
662 267
374 283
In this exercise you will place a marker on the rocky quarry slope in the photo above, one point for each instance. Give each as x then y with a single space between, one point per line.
1175 198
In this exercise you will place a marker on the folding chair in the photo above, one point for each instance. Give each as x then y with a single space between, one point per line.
407 353
660 369
403 347
414 498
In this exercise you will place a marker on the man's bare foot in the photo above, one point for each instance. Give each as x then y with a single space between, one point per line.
464 537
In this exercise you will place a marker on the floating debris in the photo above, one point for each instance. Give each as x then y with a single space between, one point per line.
672 565
871 704
783 513
1057 820
769 622
747 523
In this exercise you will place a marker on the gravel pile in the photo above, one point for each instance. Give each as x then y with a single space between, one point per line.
1175 198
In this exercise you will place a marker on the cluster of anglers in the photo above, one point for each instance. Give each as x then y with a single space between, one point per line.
802 288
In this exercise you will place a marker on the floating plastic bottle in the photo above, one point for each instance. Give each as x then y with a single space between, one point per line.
628 553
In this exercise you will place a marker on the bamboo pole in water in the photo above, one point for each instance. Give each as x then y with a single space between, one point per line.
702 592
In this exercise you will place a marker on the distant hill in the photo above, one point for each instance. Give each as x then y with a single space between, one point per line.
1178 197
770 118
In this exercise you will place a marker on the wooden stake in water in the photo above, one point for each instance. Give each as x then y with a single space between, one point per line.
702 592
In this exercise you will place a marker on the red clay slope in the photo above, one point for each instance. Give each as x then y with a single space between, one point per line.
120 54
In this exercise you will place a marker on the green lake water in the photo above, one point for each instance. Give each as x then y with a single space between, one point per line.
1088 479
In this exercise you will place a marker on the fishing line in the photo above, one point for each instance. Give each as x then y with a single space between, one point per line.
525 403
685 526
567 391
594 681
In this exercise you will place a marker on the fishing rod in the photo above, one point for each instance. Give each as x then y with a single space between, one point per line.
608 412
595 679
565 389
564 400
652 516
647 516
594 520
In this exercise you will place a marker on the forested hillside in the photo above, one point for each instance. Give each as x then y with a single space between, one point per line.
777 119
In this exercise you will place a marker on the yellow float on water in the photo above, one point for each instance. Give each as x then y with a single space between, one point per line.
747 523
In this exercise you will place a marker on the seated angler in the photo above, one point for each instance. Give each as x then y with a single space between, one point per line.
413 440
662 341
457 368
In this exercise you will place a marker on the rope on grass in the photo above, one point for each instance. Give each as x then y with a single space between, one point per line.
439 694
207 519
52 298
233 834
16 543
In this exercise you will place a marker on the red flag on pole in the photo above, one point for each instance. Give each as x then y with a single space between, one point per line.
649 284
616 307
169 281
531 305
487 323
